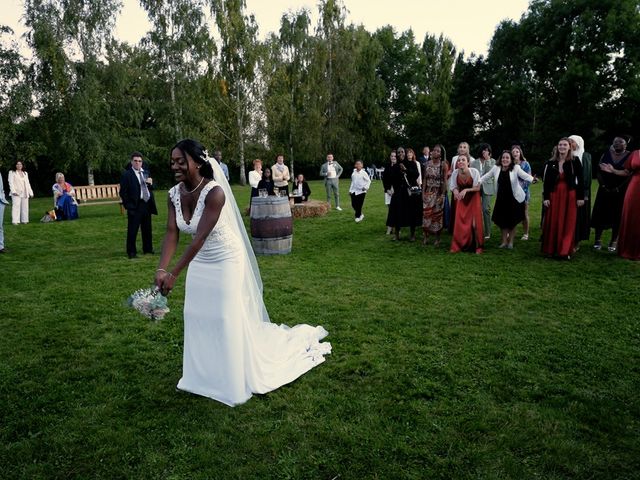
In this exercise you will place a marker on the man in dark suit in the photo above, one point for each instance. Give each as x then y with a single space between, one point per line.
424 158
136 191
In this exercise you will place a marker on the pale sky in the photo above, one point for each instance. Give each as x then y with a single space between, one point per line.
468 23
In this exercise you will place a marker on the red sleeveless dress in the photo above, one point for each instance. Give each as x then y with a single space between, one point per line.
467 229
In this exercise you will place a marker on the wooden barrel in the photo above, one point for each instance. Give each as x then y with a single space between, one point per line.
271 225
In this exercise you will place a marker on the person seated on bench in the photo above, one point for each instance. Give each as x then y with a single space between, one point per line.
64 199
301 190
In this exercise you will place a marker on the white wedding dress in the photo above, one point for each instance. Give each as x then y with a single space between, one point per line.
231 349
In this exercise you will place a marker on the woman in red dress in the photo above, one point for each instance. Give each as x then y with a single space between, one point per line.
467 229
562 179
629 237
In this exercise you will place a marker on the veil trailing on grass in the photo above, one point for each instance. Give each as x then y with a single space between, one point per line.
231 216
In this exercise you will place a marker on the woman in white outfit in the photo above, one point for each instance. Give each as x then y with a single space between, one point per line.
20 192
509 207
231 349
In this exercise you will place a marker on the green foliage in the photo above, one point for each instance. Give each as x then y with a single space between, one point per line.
502 365
15 95
564 67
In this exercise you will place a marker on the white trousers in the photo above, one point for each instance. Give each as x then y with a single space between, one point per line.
19 209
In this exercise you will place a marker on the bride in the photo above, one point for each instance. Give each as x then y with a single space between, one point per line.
231 349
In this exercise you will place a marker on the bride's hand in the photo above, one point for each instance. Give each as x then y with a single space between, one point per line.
168 282
160 274
165 281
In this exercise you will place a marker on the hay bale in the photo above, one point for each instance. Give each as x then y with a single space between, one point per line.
310 208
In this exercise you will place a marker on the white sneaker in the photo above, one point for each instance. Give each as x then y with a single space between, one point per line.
361 216
358 219
339 209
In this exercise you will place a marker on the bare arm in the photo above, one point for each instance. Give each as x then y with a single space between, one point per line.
169 244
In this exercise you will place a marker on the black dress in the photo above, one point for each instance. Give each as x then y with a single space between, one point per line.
607 208
507 212
404 210
267 185
583 221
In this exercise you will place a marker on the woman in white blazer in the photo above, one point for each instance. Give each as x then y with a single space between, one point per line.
20 191
509 207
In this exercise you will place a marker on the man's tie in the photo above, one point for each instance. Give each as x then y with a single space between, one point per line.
143 188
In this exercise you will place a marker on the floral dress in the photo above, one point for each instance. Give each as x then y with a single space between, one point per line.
433 197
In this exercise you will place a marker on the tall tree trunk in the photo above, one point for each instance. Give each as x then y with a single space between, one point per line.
243 178
291 114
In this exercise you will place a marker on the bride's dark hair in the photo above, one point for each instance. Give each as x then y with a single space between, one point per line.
198 153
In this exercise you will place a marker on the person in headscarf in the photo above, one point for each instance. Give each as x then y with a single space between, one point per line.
583 225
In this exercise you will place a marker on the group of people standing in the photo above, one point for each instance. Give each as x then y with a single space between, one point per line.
20 192
278 176
567 215
416 192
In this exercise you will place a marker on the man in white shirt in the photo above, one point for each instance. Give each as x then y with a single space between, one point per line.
331 172
360 183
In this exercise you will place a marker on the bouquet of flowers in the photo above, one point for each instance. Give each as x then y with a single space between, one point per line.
149 302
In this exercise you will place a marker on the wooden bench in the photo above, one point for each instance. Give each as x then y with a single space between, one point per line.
99 194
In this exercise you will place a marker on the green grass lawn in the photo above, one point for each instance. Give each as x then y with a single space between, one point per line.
501 365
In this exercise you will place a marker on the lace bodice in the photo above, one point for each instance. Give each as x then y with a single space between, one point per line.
221 238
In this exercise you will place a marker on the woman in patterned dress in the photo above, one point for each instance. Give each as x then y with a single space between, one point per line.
434 191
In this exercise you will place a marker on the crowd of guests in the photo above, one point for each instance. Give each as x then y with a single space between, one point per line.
467 195
464 196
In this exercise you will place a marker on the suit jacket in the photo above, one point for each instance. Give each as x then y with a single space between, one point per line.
324 170
490 187
516 188
130 191
306 191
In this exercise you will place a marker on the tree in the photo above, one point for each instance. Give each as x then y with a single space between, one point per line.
566 67
15 94
402 68
238 57
180 46
429 119
294 42
68 38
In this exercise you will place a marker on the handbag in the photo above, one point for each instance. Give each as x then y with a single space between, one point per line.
412 191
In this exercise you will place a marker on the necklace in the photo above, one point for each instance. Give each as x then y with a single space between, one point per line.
197 186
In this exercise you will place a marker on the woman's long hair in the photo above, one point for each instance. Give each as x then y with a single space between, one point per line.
519 148
556 153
